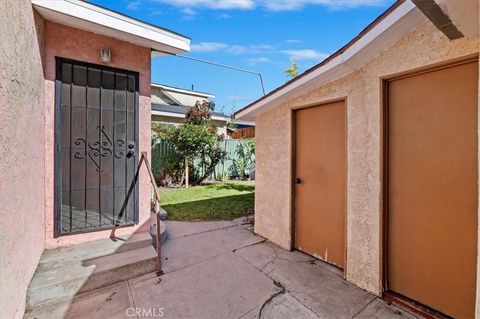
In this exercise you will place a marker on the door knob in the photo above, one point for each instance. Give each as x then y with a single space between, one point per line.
298 180
131 150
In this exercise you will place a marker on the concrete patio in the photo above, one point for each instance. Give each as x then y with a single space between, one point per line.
222 270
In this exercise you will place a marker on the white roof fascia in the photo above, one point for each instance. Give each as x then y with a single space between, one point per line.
85 16
387 32
240 122
170 97
168 114
178 115
189 92
220 118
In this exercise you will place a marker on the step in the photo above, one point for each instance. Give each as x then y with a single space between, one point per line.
136 240
163 214
120 266
52 311
96 248
57 282
163 233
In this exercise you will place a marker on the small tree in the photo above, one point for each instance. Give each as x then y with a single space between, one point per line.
172 170
292 70
200 113
197 140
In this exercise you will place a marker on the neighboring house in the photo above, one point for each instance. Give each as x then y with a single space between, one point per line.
170 104
369 160
74 110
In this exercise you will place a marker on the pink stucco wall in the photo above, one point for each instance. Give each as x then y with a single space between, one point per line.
67 42
22 214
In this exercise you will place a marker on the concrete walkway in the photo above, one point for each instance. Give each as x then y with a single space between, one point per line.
222 270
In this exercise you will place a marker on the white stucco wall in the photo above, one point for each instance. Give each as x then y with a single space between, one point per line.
425 46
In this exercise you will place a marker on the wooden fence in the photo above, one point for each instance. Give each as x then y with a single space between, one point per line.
248 132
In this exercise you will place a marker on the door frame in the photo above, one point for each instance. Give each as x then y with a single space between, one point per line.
293 161
400 300
57 206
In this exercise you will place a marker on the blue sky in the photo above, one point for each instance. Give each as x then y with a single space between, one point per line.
259 35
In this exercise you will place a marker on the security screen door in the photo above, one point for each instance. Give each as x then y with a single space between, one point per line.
96 135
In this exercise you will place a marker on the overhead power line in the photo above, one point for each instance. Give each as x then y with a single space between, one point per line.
220 65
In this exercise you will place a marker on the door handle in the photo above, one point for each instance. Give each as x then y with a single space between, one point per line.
131 150
298 181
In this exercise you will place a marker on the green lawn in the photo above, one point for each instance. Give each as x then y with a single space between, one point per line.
219 201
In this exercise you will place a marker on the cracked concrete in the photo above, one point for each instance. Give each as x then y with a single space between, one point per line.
222 270
285 306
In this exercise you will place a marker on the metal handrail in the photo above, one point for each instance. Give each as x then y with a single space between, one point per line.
144 159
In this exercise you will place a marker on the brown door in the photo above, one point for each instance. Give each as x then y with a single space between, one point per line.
432 188
320 182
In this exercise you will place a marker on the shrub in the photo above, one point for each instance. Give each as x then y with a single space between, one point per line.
245 152
196 141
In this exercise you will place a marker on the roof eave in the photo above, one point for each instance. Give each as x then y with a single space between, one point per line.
180 115
85 16
179 90
175 113
168 114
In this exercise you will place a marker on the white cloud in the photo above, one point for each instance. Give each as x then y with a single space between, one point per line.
212 4
260 48
236 49
224 16
208 47
133 5
286 5
155 12
253 61
189 11
293 41
231 48
305 54
272 5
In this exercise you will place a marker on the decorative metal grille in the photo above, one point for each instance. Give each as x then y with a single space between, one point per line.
103 148
96 138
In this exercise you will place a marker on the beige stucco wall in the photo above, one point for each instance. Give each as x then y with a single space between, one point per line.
67 42
273 176
22 214
362 90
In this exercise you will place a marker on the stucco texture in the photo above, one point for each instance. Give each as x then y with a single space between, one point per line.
425 46
71 43
22 213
